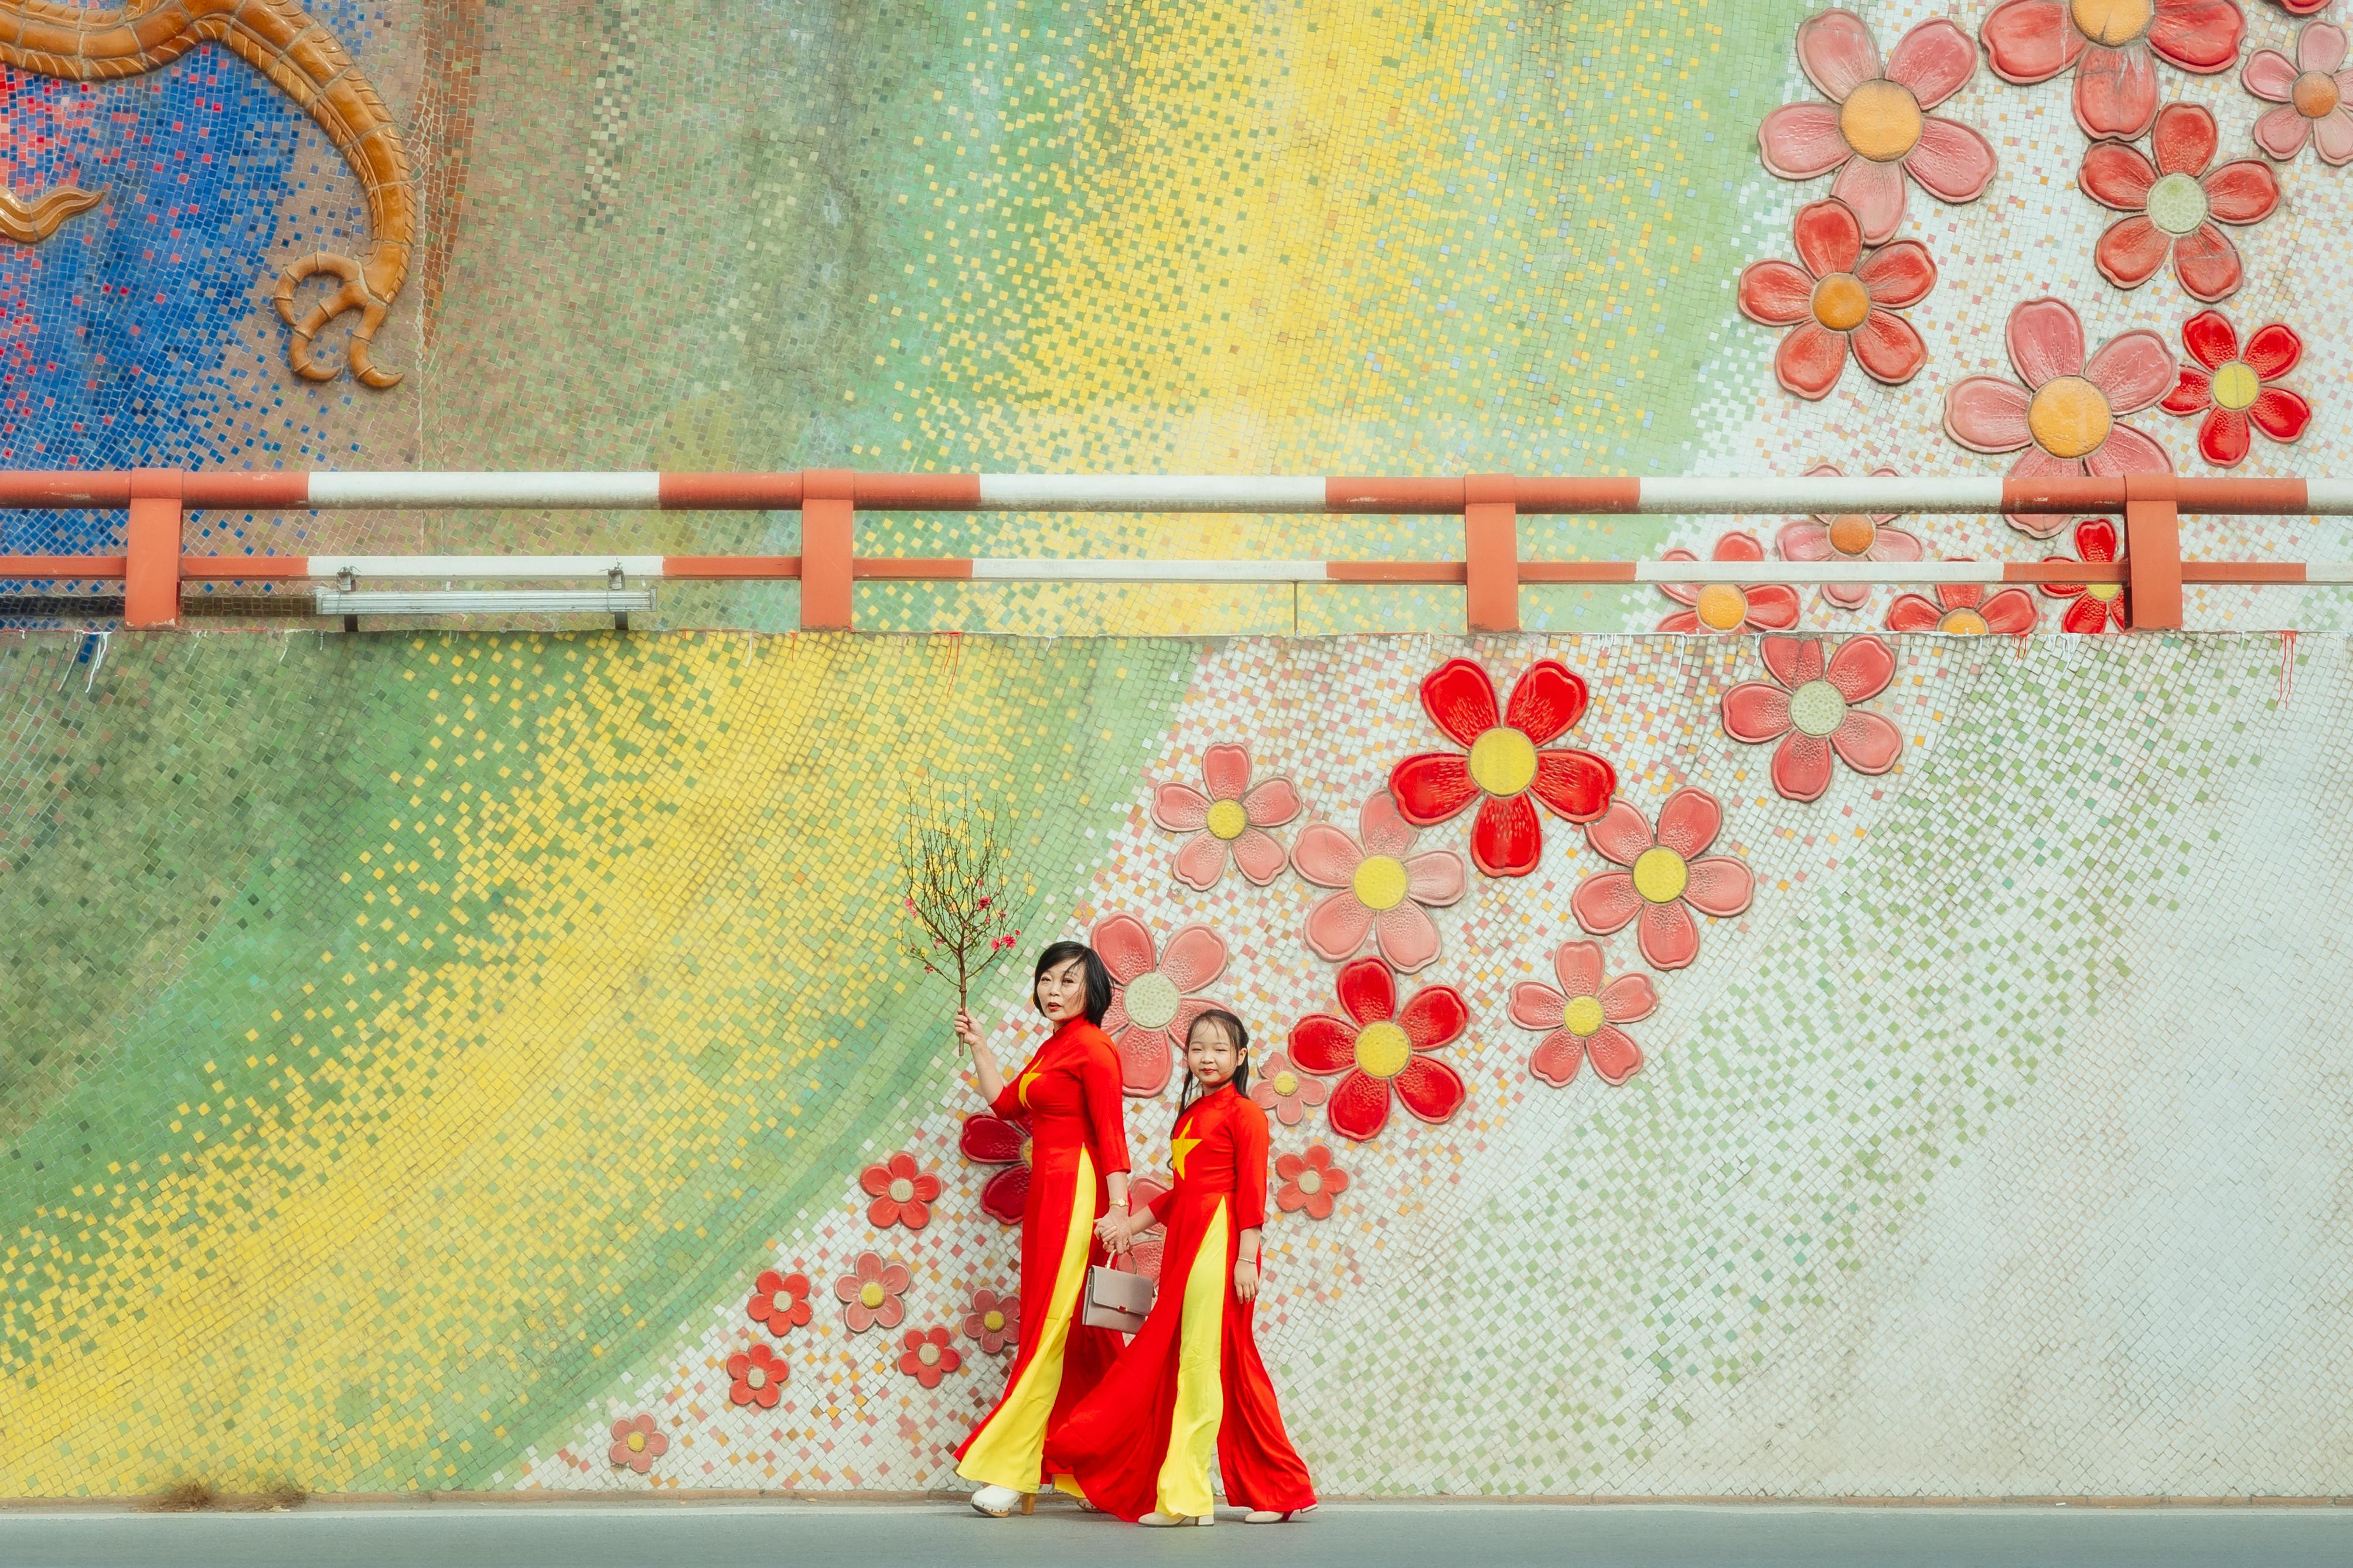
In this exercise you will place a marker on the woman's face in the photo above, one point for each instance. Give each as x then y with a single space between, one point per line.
1210 1053
1062 991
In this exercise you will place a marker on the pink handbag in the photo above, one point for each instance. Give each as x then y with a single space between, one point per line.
1115 1298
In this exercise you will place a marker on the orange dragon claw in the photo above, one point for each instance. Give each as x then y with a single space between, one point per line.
354 295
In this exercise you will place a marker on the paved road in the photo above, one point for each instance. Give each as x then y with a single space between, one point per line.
1364 1535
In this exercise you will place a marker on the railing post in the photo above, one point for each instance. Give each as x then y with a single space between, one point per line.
827 507
1491 552
2152 552
151 581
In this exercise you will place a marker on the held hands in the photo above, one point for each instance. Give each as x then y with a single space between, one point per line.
1246 1280
1117 1230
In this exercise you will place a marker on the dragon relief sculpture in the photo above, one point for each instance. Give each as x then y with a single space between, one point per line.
95 43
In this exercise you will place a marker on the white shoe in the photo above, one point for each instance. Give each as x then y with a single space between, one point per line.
1165 1520
1269 1516
997 1503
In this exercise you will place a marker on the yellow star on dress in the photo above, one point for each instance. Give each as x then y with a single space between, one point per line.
1179 1148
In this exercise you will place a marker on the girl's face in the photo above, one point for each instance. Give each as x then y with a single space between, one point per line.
1062 990
1209 1052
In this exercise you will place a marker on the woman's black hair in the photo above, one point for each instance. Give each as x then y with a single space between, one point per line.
1098 978
1234 1032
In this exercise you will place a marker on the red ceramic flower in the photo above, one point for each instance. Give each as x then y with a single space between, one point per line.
2301 7
1665 879
995 1321
1384 890
2311 91
1965 609
902 1194
2065 417
1840 298
2098 606
1283 1092
756 1376
870 1293
1381 1047
1876 130
929 1356
1583 1016
2232 386
1854 536
637 1445
1000 1140
2179 204
2113 46
779 1301
1503 762
1808 708
1309 1181
1730 606
1144 1258
1228 819
1152 1003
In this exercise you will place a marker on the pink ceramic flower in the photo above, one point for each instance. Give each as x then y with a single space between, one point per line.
756 1376
2113 46
1308 1181
2065 417
1386 892
1730 606
1152 999
2098 606
1853 536
1583 1016
779 1301
1228 819
637 1445
1381 1047
870 1293
1809 710
928 1356
1665 877
1876 130
2311 91
2179 204
902 1194
1285 1092
1840 298
2232 387
1965 609
995 1321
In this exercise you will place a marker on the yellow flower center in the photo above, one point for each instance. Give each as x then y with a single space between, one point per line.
2103 591
1661 874
1852 534
870 1295
1816 709
1226 819
754 1377
1025 1151
901 1190
1286 1083
1582 1016
2314 94
2235 387
1151 999
1502 761
1882 120
1381 880
992 1320
1309 1180
928 1353
2069 417
2177 203
1963 624
1382 1049
636 1442
2112 22
1721 607
1841 302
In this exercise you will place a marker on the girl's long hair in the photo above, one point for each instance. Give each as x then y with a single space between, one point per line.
1234 1032
1098 978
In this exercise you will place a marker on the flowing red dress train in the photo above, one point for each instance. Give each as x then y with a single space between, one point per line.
1192 1378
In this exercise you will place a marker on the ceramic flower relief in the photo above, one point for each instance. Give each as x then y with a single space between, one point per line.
2064 421
2113 46
2301 7
1964 610
1286 1093
1152 999
1308 1181
2179 202
2098 606
1838 298
994 1322
779 1301
1583 1018
999 1141
1730 606
902 1194
637 1445
928 1356
1851 536
1809 707
1876 130
2310 89
756 1376
2232 386
1381 1048
1384 890
1665 879
870 1293
1228 818
1503 765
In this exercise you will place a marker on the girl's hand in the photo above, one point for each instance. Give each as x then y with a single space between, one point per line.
1246 1280
1115 1230
967 1032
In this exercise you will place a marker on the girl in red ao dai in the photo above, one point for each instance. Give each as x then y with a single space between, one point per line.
1191 1380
